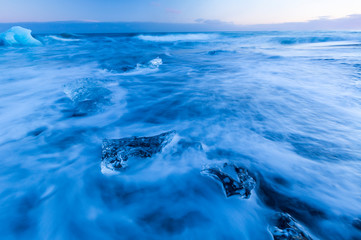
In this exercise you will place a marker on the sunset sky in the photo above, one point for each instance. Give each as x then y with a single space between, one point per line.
176 11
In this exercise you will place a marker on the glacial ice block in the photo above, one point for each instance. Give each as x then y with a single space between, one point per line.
18 36
288 229
87 96
118 153
242 185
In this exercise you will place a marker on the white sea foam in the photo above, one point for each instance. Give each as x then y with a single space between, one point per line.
156 62
142 69
178 37
56 38
292 121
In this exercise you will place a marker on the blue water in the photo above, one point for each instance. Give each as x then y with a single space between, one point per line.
284 105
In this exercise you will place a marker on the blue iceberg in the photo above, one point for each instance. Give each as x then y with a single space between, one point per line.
18 36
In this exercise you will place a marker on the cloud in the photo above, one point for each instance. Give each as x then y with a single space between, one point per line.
351 22
155 4
166 9
212 22
173 11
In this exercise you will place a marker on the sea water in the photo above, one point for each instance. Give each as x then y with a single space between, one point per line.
284 105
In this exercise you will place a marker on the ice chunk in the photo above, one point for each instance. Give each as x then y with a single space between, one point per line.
88 96
288 229
18 36
242 186
117 153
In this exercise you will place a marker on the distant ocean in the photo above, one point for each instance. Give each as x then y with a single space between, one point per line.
285 106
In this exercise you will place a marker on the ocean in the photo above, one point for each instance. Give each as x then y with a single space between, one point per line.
284 106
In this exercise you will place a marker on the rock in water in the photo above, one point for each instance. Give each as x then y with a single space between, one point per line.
116 153
288 229
242 186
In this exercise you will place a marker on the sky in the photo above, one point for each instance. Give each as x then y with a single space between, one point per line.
243 12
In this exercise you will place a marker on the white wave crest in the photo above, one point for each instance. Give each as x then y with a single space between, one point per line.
141 69
178 37
56 38
155 63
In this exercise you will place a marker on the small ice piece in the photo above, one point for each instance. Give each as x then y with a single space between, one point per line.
88 96
18 36
242 186
117 153
288 229
156 62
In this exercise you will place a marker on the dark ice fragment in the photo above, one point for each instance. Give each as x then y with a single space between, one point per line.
242 185
286 228
116 153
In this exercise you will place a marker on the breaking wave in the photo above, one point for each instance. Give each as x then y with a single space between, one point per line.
301 40
178 37
151 66
62 39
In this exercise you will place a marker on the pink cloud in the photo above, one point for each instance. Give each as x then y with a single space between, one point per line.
155 4
173 11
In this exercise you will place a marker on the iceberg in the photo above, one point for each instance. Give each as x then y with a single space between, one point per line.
18 36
